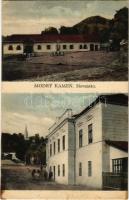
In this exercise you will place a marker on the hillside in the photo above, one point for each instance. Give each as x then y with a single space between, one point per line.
107 29
95 20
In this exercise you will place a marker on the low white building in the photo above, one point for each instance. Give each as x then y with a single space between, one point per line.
95 143
39 44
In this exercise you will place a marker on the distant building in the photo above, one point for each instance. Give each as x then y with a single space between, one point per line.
91 147
39 44
9 155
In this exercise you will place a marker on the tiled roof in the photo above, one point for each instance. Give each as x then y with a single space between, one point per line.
122 145
115 99
51 38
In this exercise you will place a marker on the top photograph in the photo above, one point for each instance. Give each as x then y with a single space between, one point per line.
65 40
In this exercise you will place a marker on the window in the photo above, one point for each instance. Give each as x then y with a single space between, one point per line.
39 47
63 172
63 142
48 47
90 133
89 168
50 149
18 47
58 145
96 47
58 170
80 46
71 46
64 46
80 138
80 169
10 48
54 148
119 165
85 46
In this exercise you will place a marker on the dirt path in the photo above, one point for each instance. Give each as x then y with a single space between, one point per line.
79 66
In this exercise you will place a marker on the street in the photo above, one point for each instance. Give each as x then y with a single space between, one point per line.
18 177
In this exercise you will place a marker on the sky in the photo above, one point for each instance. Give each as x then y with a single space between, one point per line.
34 16
38 111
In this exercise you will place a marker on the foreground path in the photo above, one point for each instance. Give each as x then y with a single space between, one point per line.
19 178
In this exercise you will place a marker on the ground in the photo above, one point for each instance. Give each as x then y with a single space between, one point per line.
78 66
18 177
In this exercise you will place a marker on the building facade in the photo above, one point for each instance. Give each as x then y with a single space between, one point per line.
97 142
40 44
60 149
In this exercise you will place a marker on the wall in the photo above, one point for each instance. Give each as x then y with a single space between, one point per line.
61 157
90 152
115 127
71 153
44 49
14 51
53 47
115 122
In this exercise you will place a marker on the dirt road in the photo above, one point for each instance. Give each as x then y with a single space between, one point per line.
19 178
78 66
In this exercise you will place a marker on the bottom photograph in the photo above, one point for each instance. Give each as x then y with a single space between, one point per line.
64 141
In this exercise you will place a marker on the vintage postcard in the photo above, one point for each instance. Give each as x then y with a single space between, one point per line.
64 109
69 142
65 40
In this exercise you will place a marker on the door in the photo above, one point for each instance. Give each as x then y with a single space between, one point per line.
28 49
91 47
96 48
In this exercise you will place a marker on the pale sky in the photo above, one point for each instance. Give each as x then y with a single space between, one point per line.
39 111
33 16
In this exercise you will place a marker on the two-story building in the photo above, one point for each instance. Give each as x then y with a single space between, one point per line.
61 149
96 145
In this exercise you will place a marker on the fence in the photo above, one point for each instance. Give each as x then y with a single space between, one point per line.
114 181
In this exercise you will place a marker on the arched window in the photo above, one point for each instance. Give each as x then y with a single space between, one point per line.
71 46
39 47
18 47
80 47
10 48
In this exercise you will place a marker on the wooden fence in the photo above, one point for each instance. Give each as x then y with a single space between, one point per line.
114 181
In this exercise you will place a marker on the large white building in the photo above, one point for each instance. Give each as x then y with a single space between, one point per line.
39 44
86 148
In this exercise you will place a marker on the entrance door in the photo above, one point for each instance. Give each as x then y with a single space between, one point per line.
92 47
54 172
28 49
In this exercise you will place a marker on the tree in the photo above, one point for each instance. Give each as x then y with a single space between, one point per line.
50 31
68 30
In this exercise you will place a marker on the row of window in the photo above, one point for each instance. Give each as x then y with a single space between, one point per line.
11 48
48 47
59 170
71 46
90 135
53 147
63 169
90 140
89 168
